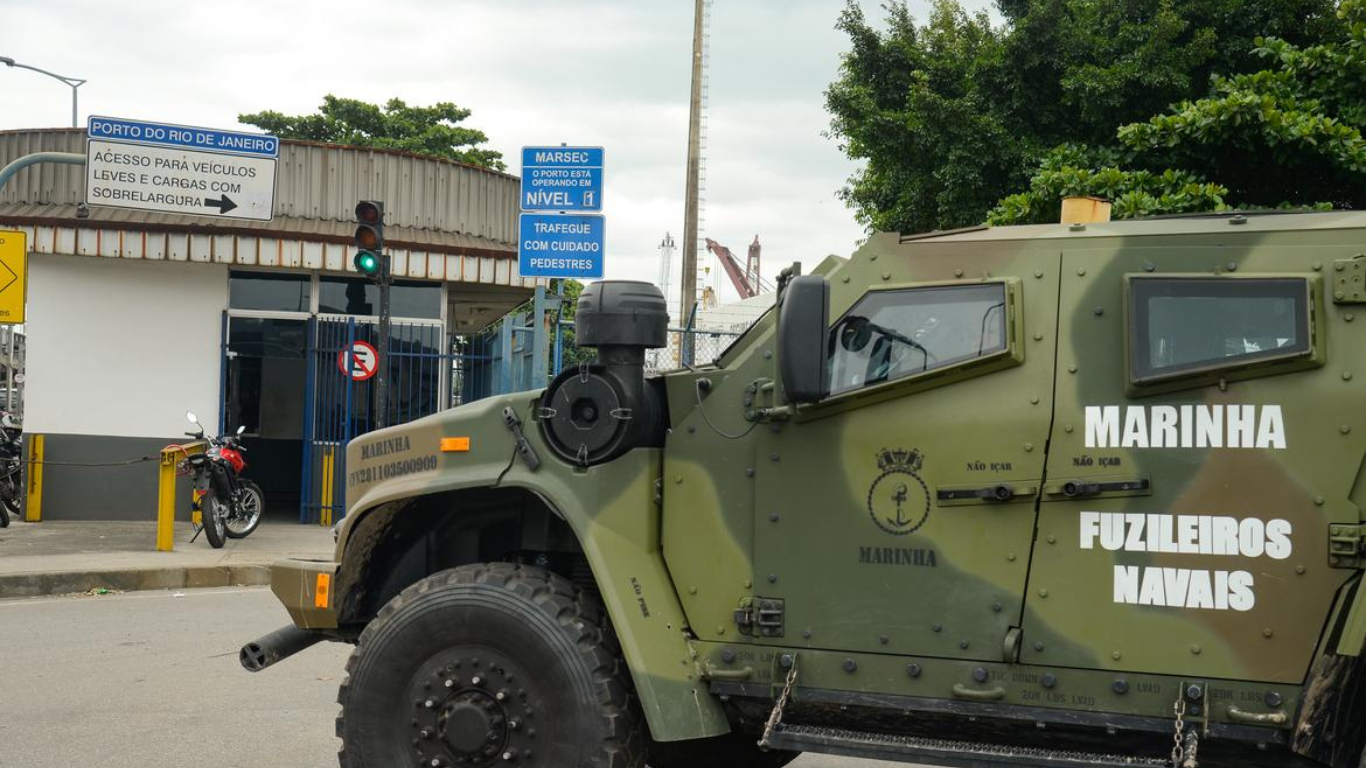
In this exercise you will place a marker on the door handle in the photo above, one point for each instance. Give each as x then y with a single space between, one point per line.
999 492
1095 486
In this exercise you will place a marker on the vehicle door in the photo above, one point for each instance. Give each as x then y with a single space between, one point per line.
895 516
1208 431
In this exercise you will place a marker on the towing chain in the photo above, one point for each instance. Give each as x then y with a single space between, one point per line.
1184 745
776 716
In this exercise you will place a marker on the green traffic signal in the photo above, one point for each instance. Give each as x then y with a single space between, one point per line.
366 263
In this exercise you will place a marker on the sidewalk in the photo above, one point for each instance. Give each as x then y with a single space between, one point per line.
61 557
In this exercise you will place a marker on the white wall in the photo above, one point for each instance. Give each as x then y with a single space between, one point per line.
122 347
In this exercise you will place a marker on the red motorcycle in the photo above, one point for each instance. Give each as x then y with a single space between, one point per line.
229 504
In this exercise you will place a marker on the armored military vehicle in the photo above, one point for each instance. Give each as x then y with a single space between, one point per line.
1032 496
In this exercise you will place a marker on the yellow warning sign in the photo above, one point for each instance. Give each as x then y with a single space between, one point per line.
13 275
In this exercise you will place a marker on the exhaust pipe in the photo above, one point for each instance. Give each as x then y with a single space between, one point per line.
277 646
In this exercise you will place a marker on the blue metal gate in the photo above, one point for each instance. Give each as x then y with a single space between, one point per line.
339 406
428 372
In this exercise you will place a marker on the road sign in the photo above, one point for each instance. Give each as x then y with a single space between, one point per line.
562 178
360 362
561 245
180 169
13 275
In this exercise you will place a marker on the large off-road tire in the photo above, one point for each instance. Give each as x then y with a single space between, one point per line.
731 750
246 516
211 513
491 664
4 517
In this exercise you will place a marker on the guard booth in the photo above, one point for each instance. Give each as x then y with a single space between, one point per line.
136 316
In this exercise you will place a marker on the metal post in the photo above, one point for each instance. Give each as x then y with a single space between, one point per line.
685 341
74 82
382 375
67 158
540 347
559 329
689 281
9 371
505 342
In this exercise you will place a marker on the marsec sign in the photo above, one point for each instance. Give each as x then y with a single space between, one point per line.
561 178
180 169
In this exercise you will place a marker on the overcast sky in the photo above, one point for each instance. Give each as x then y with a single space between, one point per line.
613 73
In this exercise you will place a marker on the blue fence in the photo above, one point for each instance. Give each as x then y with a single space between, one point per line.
429 371
426 375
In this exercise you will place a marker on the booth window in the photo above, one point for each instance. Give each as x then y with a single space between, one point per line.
360 296
278 292
896 333
1195 325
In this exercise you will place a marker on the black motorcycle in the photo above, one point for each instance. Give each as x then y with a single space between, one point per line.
229 505
11 466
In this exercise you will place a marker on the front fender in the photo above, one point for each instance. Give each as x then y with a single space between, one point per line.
408 460
612 510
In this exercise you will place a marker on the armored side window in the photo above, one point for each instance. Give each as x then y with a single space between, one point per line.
1179 327
896 333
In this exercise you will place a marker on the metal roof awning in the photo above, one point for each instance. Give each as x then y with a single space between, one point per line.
445 221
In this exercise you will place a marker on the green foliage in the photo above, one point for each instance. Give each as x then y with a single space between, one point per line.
434 131
921 106
1066 173
1289 133
571 355
950 117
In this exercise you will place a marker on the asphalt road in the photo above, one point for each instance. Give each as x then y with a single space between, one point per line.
151 680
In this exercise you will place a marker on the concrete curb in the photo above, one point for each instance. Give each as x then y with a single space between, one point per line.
39 584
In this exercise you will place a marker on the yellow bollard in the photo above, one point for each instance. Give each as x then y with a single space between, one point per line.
170 456
329 481
33 504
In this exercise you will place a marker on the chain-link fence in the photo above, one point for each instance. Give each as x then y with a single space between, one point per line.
706 347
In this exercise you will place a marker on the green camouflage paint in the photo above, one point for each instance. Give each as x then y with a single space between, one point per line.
865 513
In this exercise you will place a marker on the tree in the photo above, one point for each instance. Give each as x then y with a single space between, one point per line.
951 116
434 131
571 354
921 107
1290 135
1070 170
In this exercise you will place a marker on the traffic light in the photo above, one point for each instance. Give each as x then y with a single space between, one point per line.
369 238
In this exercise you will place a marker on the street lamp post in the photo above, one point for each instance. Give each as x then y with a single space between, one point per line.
74 82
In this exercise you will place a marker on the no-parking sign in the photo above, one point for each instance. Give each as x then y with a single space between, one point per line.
360 362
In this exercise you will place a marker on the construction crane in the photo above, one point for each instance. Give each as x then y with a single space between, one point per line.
746 279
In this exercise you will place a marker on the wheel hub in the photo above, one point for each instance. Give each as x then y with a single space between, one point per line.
472 724
470 713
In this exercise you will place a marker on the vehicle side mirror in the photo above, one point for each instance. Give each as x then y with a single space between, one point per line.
192 418
242 429
803 351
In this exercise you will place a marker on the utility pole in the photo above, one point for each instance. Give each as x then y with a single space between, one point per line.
689 281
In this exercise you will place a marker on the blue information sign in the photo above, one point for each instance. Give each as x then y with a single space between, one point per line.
561 245
562 178
183 137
